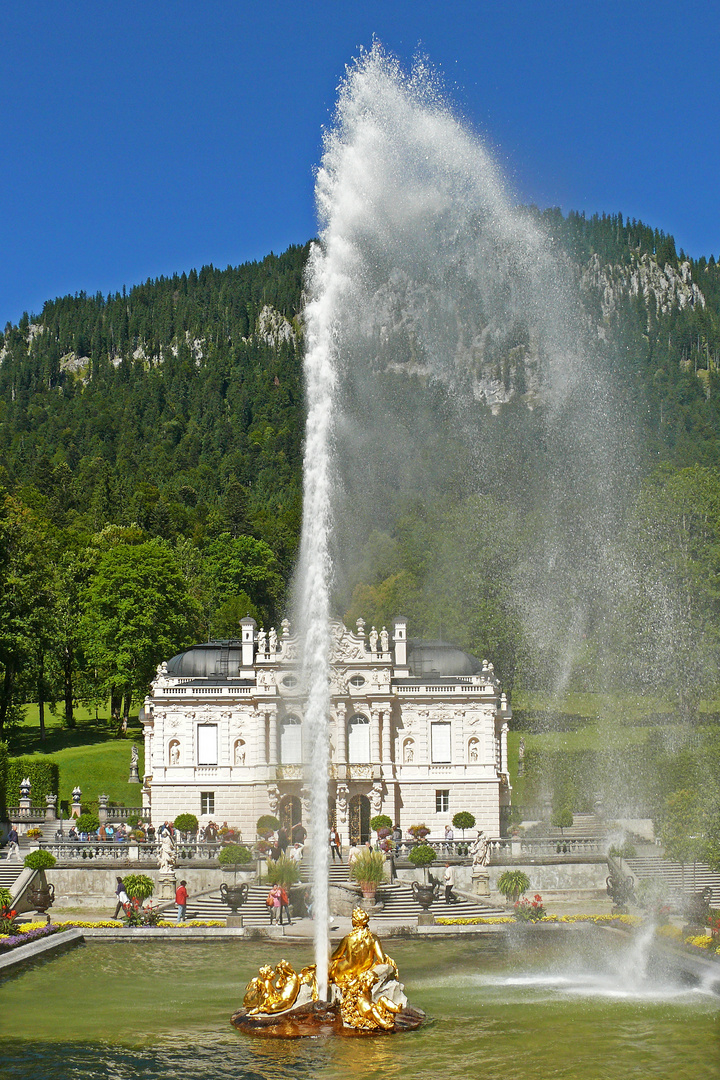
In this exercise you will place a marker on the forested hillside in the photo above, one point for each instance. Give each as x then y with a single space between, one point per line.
150 456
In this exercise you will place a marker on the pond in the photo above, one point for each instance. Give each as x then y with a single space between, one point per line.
579 1009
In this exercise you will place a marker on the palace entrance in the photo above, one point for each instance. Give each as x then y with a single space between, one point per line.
291 817
359 819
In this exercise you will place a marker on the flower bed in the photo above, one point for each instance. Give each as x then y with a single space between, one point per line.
30 932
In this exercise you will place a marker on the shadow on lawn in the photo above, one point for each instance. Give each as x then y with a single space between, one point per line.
26 739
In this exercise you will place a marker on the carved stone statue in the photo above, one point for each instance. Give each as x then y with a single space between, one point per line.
473 750
261 641
239 752
408 752
167 854
174 753
384 640
273 640
134 756
373 636
480 850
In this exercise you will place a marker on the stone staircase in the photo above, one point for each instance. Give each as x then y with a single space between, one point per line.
10 871
687 880
398 902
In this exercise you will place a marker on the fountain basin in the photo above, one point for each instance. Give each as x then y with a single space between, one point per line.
317 1018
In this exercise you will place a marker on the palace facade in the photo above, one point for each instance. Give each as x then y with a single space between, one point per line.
418 732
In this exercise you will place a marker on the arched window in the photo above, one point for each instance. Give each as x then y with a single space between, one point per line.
290 741
358 739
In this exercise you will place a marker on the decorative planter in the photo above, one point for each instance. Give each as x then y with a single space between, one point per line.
234 895
424 894
41 897
369 888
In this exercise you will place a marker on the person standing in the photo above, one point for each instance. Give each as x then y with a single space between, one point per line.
181 899
335 844
273 903
449 880
284 905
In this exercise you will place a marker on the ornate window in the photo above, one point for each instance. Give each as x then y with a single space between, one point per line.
358 739
290 741
440 743
207 744
357 681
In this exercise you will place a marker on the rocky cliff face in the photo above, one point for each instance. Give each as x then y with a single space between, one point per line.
671 289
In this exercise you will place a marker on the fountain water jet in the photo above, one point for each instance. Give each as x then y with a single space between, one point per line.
424 267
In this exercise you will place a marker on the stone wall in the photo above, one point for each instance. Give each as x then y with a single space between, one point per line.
94 889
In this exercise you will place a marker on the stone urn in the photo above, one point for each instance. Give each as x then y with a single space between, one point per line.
41 897
234 895
424 894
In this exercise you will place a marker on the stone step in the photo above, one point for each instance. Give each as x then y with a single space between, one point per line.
399 905
690 879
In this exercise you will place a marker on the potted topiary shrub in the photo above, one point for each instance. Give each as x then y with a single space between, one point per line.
423 855
87 823
463 820
368 869
382 825
231 857
512 884
186 825
266 825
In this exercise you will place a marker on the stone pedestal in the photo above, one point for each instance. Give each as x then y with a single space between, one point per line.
426 918
51 807
134 777
234 921
167 887
481 883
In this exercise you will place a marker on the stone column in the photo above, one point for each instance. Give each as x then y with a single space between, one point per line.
273 740
375 736
342 740
503 747
386 740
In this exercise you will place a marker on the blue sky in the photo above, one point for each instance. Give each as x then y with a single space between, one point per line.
144 139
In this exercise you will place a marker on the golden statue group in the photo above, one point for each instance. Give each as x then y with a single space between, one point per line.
364 991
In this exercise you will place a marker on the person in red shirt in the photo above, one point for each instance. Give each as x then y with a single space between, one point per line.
181 899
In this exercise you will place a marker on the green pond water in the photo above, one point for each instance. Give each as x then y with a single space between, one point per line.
577 1009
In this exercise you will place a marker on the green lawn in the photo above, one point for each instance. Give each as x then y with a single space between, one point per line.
90 756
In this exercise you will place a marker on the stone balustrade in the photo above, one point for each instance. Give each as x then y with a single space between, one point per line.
509 848
78 851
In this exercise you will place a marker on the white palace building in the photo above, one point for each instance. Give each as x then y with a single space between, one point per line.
418 732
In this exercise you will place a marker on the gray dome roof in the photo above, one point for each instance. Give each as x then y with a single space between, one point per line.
441 659
212 659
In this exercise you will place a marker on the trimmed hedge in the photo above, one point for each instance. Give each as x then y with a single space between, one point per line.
3 776
43 773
